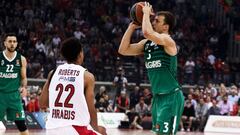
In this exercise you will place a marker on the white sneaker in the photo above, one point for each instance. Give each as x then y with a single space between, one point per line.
188 129
182 129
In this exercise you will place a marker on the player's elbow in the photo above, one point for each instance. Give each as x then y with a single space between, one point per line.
147 33
121 51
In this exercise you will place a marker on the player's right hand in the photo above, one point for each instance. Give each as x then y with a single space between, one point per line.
102 130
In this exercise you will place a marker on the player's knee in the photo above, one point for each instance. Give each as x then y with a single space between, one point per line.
21 125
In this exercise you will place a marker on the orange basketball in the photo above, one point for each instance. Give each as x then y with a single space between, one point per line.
136 13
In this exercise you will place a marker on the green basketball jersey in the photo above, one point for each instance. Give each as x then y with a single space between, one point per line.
10 73
161 68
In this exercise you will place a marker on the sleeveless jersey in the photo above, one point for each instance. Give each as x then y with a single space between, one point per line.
67 102
161 68
10 73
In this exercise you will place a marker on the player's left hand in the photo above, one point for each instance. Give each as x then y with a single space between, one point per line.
134 26
23 91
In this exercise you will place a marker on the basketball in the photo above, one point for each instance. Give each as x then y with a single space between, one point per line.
136 13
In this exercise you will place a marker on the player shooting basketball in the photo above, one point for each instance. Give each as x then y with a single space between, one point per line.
160 55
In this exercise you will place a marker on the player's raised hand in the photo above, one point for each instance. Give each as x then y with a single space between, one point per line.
147 9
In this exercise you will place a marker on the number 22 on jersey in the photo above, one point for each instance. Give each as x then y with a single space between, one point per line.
64 102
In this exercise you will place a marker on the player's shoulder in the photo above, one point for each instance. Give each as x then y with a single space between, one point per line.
88 76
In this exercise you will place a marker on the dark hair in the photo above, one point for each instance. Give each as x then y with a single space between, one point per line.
70 49
8 35
169 19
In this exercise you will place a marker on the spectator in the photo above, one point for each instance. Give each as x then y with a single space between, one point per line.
134 119
56 40
134 96
147 97
40 47
122 102
209 102
218 70
78 34
32 105
214 110
193 101
101 93
108 103
141 108
188 116
225 106
213 90
235 109
101 105
120 81
233 95
201 114
222 92
189 70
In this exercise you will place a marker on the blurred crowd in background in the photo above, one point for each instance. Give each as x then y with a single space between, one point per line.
41 25
203 60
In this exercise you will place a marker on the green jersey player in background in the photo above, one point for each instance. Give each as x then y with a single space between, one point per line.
13 80
160 55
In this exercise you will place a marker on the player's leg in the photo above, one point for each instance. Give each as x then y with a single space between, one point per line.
167 111
178 107
16 113
162 116
22 127
3 106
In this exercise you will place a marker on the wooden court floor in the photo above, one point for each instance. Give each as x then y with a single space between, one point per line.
114 132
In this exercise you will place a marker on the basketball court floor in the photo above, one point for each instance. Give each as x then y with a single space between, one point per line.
114 132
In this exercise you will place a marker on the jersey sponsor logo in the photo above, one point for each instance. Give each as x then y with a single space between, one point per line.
8 75
63 114
153 64
70 79
17 63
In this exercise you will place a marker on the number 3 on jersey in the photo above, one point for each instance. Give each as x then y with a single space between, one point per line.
61 89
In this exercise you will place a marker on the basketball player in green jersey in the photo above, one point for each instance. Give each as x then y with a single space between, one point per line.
13 80
160 52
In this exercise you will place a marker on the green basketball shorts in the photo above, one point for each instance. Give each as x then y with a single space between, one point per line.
167 111
11 105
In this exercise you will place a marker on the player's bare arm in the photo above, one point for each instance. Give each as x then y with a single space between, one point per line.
23 77
160 39
126 48
44 97
89 83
